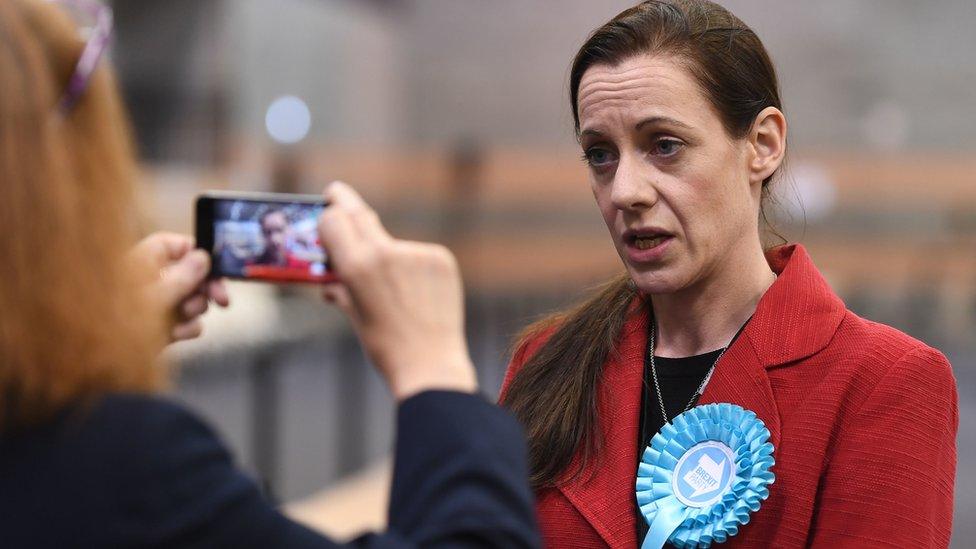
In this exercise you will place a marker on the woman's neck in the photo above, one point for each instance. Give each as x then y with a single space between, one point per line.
706 316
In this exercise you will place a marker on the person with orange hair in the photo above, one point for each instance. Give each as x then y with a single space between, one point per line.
66 213
90 454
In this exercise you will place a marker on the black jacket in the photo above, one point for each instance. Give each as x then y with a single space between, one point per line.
136 471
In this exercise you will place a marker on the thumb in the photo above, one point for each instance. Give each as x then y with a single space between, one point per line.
161 248
155 252
182 278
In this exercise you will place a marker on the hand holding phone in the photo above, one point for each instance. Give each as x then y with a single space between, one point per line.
174 276
404 298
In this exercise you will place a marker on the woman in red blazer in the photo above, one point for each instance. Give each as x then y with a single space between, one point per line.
677 110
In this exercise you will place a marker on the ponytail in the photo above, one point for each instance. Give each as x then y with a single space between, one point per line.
554 394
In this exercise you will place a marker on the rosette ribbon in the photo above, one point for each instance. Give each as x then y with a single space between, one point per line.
703 475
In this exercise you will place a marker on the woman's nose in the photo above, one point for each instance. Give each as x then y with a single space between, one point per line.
632 185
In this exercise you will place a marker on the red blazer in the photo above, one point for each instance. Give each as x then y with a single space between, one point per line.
863 419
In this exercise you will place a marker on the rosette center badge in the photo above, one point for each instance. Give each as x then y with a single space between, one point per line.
704 474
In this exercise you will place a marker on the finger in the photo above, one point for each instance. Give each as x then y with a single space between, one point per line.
161 248
177 245
182 279
340 193
338 295
368 223
217 291
187 330
340 238
364 218
194 306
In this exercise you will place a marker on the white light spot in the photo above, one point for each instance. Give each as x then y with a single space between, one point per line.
288 119
816 190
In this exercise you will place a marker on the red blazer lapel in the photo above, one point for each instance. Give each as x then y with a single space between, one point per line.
798 315
795 318
740 378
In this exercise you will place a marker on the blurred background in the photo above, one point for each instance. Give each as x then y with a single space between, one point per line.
451 117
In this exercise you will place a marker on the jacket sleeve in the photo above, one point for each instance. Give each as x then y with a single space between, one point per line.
460 480
460 477
889 482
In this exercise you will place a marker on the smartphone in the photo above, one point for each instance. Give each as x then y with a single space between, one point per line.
262 236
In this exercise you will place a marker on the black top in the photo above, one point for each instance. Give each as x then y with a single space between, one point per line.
137 471
679 379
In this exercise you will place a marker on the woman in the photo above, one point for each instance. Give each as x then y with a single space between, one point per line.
678 114
90 454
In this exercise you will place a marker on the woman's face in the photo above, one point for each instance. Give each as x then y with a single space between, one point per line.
674 189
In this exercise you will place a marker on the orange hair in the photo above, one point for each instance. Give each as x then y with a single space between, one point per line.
72 318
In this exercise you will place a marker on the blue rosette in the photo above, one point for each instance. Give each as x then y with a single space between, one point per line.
703 475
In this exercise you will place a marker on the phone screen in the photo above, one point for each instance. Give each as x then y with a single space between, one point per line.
271 240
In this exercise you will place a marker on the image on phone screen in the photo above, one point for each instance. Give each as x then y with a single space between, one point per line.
268 240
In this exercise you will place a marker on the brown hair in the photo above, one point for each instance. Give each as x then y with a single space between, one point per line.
555 392
71 323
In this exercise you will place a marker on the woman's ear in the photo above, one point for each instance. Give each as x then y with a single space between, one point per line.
768 143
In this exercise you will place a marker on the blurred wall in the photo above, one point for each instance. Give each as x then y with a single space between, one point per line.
872 73
343 58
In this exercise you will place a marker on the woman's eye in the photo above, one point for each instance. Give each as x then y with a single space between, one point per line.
667 147
599 157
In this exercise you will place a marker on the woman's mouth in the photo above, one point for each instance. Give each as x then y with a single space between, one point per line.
646 248
643 243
